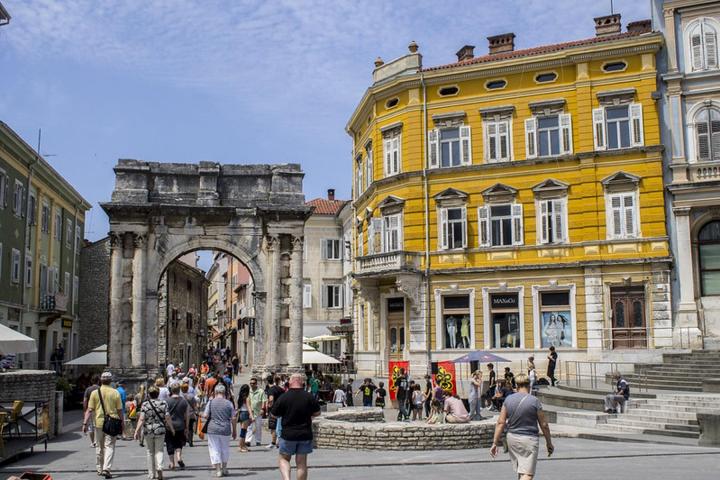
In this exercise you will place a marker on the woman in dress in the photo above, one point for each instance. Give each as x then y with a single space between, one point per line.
221 421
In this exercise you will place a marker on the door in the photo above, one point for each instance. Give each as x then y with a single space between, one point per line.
629 325
42 349
396 328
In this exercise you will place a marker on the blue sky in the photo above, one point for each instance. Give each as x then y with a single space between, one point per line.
240 81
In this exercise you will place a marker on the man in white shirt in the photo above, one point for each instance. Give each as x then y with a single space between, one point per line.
339 396
170 369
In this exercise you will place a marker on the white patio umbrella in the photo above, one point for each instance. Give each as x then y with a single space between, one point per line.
13 342
98 356
312 356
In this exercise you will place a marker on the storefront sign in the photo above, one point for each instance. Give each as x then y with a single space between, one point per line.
251 327
67 323
504 301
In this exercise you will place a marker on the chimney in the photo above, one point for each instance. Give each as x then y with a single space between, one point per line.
465 53
641 26
607 25
331 194
501 43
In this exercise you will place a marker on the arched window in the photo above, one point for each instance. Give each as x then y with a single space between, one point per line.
707 130
703 46
709 257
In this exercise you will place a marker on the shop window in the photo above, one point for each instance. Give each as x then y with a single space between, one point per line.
505 320
709 257
556 322
456 321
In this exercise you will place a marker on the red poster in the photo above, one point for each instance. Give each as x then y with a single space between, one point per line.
445 377
394 374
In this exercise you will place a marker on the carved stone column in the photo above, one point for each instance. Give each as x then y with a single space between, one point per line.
138 301
272 314
296 305
687 308
115 353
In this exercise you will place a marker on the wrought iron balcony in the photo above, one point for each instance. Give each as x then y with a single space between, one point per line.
53 303
390 262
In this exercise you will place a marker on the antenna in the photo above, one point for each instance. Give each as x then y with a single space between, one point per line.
612 10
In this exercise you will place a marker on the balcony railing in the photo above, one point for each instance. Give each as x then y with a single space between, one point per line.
388 262
53 303
705 172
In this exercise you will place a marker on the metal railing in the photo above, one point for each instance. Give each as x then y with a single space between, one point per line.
582 374
613 338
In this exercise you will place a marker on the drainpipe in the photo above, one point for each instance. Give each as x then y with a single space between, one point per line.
26 236
426 194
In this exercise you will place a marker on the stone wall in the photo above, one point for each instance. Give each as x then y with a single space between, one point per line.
365 429
94 301
29 386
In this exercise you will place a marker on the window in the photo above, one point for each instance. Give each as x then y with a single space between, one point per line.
453 228
392 233
45 218
368 166
456 321
391 146
3 188
703 48
505 320
448 91
78 239
501 225
32 209
18 198
358 177
548 136
450 147
392 102
28 269
15 267
307 295
618 126
359 247
75 288
495 84
66 284
57 234
68 232
332 296
189 321
622 215
497 140
331 249
707 128
709 258
614 67
552 220
555 319
546 77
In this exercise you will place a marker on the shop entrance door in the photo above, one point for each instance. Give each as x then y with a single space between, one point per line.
629 325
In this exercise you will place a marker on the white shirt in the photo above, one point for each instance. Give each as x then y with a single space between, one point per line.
339 396
170 369
164 393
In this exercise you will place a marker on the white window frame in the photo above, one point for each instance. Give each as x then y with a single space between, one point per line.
635 125
359 244
15 266
78 238
58 225
359 189
307 295
435 141
444 230
45 217
622 214
388 231
499 132
703 55
713 139
547 220
75 288
331 249
68 232
32 208
487 319
18 199
532 136
439 326
3 188
28 270
537 318
392 154
368 166
67 284
337 294
516 222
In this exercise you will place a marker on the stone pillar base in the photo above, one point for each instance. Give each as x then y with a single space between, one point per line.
134 377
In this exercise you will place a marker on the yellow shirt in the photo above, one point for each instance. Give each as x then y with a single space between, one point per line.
111 401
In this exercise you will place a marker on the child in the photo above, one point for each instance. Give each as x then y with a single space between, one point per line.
418 398
381 393
436 413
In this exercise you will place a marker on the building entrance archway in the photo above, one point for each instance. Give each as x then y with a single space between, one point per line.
159 211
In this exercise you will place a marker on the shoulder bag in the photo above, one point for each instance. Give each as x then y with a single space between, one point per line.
111 426
207 422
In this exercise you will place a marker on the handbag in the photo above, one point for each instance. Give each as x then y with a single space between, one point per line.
111 426
205 426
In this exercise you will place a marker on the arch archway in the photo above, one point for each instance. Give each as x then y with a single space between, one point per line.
159 211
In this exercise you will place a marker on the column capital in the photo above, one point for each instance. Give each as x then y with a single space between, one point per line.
272 242
139 240
681 211
297 242
115 239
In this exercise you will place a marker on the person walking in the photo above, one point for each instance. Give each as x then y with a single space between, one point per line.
403 396
380 393
339 396
152 425
522 414
552 362
474 399
274 424
178 409
349 393
490 392
220 418
243 409
258 405
86 398
104 403
192 402
296 408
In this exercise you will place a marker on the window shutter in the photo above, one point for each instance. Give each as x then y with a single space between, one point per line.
517 217
387 151
323 246
400 219
711 55
465 145
341 300
559 219
433 148
464 227
598 115
443 230
636 124
715 134
615 217
325 296
703 140
490 141
307 296
629 206
378 235
566 133
369 174
483 226
397 146
531 137
696 45
503 141
543 221
371 237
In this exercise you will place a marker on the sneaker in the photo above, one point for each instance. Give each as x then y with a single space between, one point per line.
257 444
270 445
219 473
94 445
106 474
159 475
225 472
182 465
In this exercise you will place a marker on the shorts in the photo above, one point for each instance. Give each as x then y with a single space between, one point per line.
295 447
523 451
244 416
174 441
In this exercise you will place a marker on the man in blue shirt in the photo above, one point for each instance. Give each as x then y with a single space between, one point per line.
619 397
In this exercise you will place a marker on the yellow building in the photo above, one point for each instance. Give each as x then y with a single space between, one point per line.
510 202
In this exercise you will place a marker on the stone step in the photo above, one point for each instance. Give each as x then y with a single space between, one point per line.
668 415
663 379
626 420
633 415
648 431
682 406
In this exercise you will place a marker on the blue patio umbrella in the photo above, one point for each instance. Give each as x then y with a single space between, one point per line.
481 356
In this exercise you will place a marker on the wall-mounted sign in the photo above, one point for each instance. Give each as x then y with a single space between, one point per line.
505 300
251 327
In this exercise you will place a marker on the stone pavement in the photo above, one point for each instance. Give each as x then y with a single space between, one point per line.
70 457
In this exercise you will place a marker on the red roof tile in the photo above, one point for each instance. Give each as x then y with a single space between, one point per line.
536 50
323 206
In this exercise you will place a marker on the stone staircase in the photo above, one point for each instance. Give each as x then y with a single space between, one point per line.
680 372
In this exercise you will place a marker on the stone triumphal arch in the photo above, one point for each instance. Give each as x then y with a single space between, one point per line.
160 211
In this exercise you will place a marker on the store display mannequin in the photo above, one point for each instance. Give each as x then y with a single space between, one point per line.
465 331
451 326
